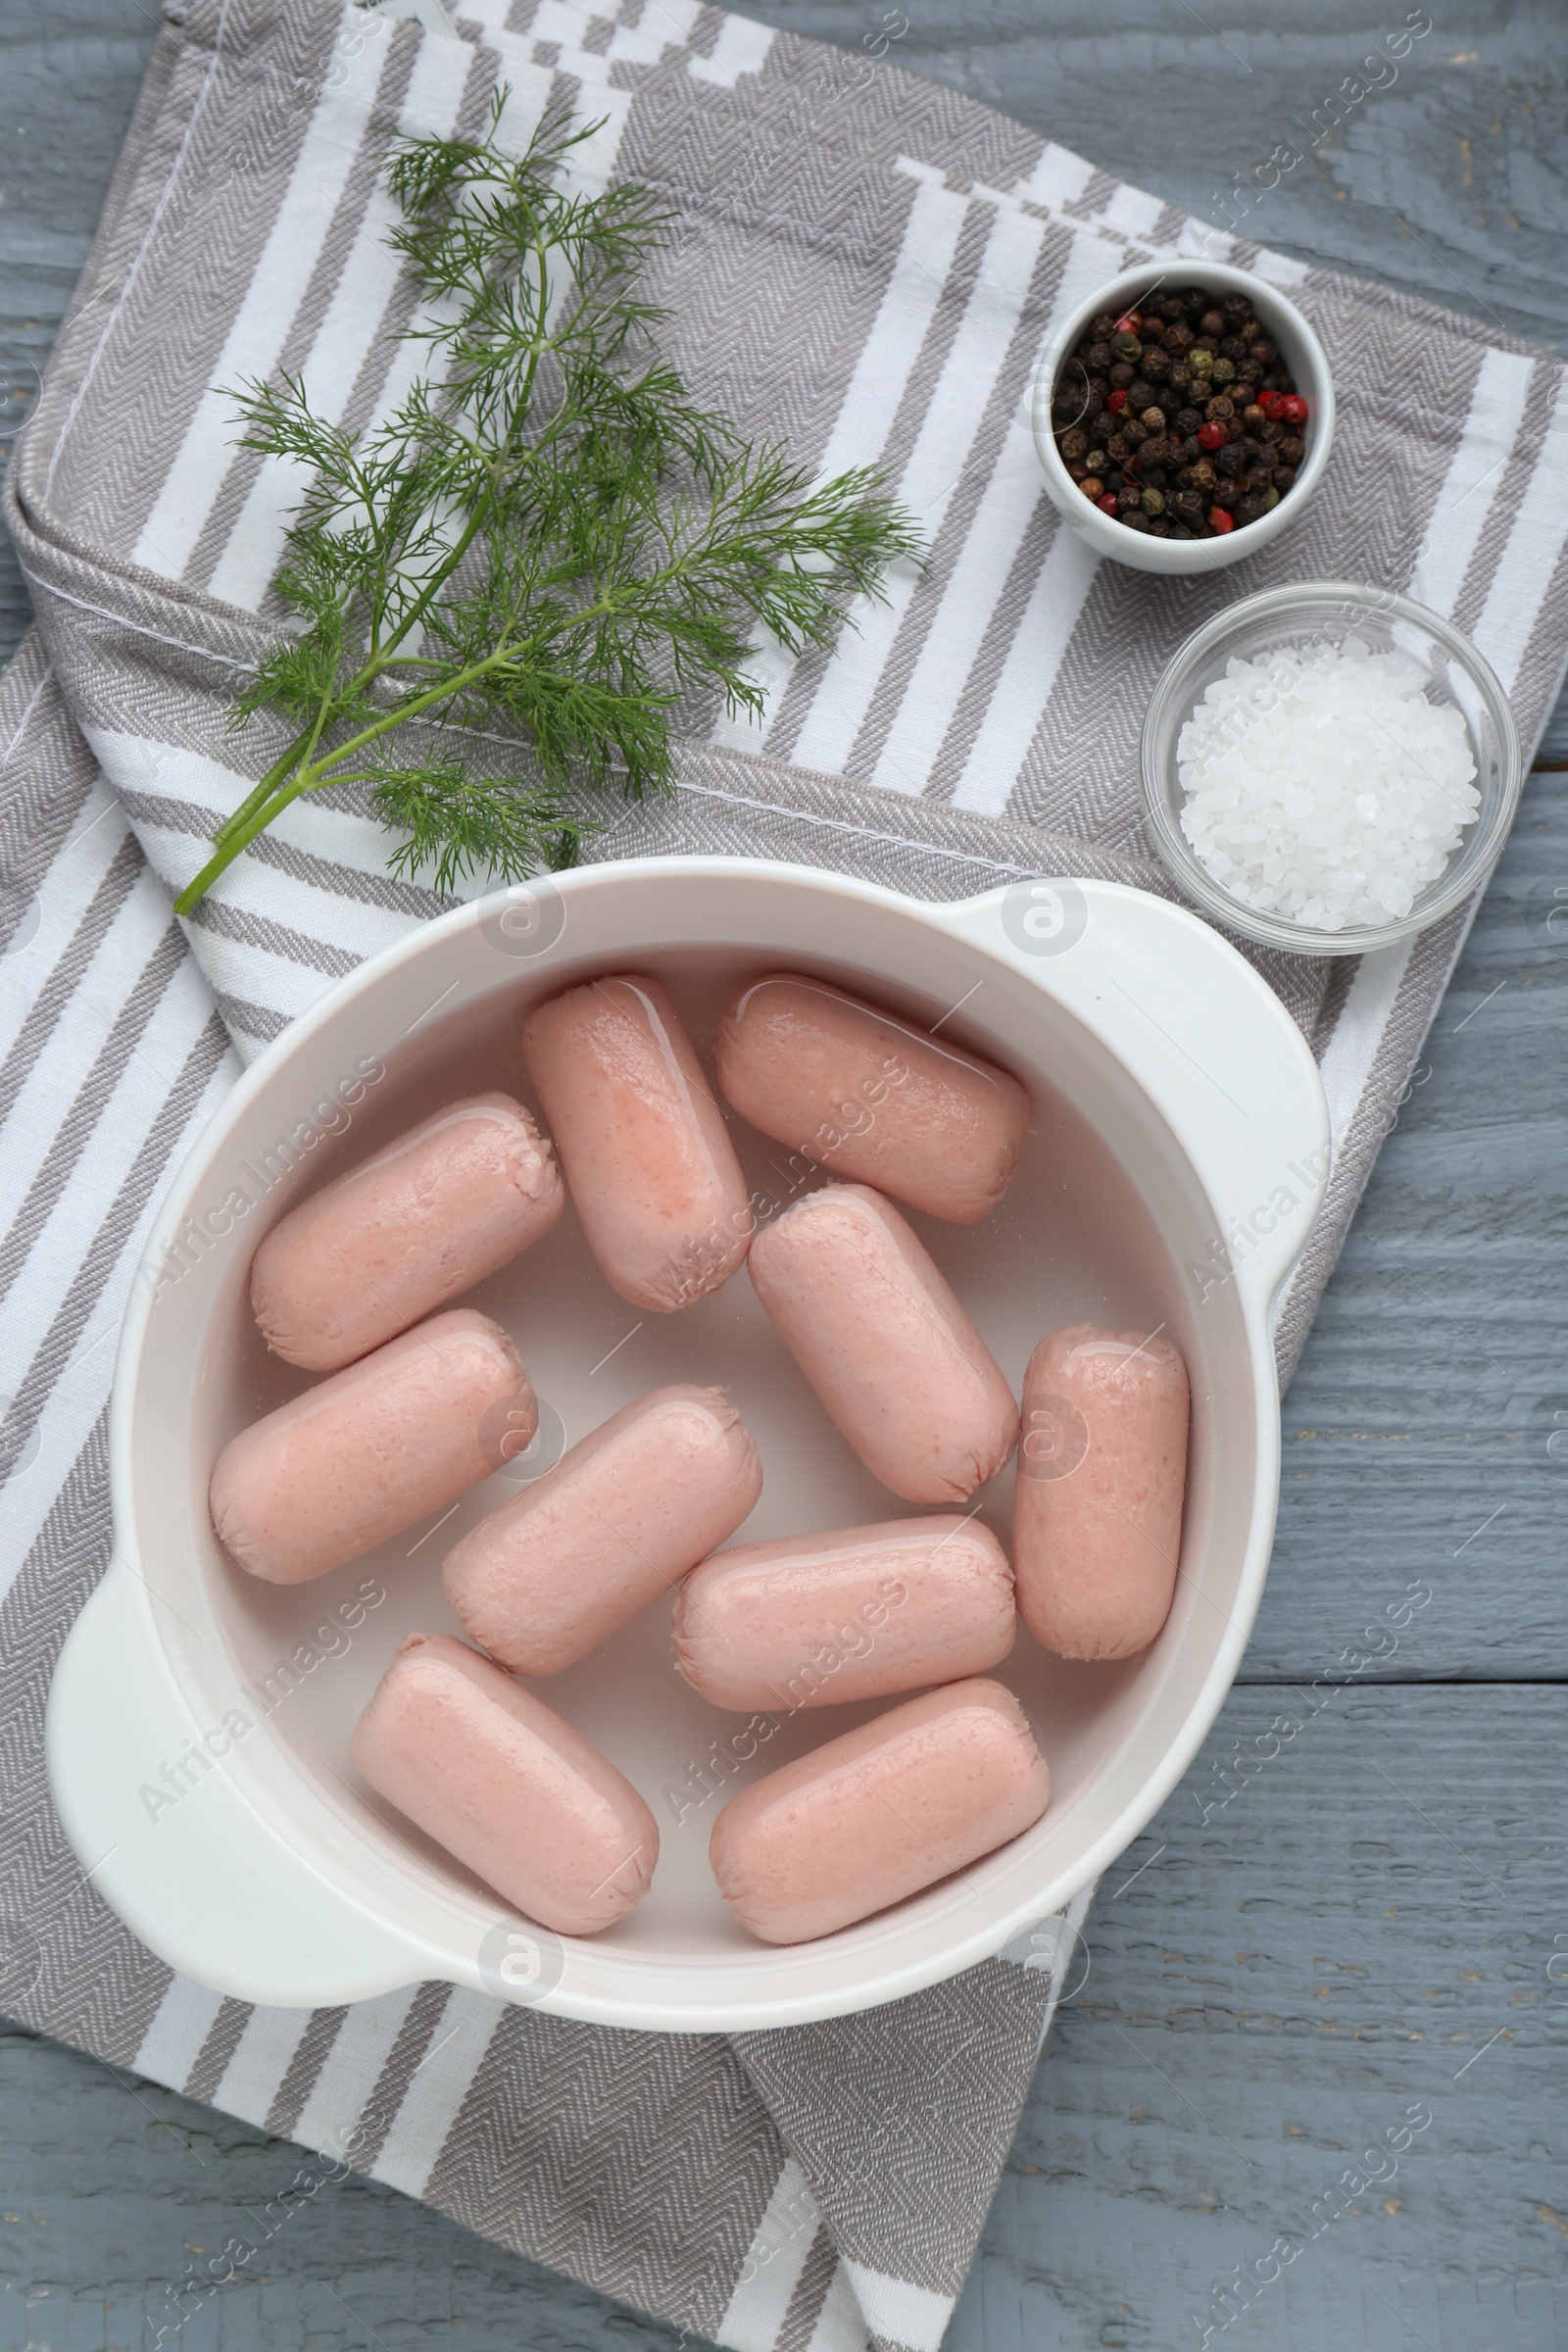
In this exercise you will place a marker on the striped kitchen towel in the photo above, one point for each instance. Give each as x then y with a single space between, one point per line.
865 266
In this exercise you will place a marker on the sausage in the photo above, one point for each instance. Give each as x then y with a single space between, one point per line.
643 1143
498 1779
552 1574
410 1228
810 1621
906 1376
1097 1526
872 1097
879 1813
371 1451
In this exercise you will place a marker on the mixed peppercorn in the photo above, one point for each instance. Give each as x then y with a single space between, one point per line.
1180 417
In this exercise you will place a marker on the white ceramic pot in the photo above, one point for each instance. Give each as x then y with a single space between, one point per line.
1306 361
199 1721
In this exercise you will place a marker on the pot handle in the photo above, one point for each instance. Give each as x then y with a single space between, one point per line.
188 1864
1206 1039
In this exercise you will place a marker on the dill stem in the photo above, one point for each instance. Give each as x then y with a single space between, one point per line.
311 776
284 766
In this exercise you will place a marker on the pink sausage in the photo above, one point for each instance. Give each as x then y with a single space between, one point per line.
555 1571
1096 1526
900 1368
870 1097
643 1144
810 1621
400 1434
879 1813
415 1225
497 1778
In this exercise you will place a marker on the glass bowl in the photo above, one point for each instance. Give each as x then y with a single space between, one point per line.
1324 614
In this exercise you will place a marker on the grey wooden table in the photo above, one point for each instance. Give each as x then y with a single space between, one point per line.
1356 1907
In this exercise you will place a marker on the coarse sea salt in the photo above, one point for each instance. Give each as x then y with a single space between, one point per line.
1323 786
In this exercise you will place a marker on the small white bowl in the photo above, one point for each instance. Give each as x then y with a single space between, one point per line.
1303 355
199 1723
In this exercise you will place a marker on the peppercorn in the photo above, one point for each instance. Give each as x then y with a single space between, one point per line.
1177 417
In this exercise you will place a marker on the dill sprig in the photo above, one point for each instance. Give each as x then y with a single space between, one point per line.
546 542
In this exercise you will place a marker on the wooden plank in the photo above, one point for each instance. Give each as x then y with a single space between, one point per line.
1372 1898
1426 1401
